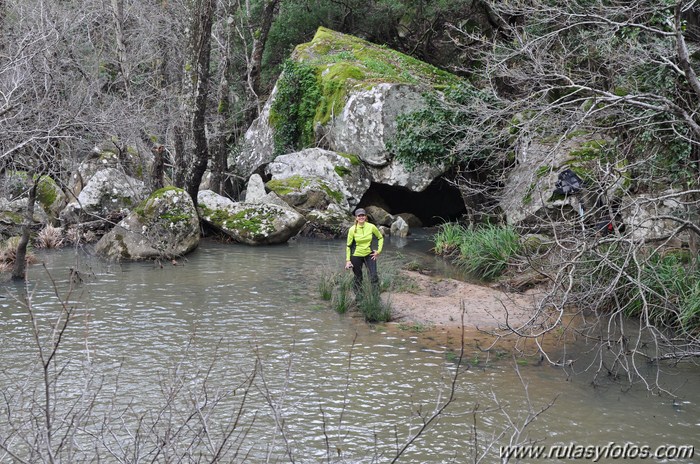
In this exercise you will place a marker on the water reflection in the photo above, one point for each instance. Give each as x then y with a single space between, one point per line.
326 383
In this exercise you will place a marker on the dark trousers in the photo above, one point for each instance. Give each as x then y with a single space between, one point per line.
357 263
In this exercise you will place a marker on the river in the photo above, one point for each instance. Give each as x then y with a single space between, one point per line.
165 352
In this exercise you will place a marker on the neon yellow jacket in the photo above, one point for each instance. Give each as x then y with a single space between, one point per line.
362 236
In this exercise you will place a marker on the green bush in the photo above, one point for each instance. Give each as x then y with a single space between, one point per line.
428 136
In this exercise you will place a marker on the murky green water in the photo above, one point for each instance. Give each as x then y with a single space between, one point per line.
154 339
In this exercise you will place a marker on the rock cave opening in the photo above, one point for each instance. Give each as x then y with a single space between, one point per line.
438 203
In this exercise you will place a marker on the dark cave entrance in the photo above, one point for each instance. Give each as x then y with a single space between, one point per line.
438 203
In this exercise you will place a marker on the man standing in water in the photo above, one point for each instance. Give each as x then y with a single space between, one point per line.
359 250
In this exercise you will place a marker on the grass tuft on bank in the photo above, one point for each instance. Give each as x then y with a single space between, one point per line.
483 251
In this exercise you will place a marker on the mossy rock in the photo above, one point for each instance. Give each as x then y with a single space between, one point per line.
340 63
304 192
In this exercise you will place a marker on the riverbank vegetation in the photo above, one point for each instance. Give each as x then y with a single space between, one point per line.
337 288
482 251
608 281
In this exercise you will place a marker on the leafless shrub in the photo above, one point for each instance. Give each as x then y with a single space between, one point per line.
49 237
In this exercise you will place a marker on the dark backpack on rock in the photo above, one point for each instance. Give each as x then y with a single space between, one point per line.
568 183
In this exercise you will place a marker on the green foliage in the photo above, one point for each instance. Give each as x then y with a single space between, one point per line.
335 287
293 111
668 292
485 251
428 136
482 251
325 287
666 158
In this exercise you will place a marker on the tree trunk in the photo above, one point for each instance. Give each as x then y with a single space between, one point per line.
269 12
19 271
202 57
179 157
122 59
158 166
256 57
223 124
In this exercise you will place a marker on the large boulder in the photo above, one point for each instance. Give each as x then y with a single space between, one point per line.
111 154
109 191
339 179
249 223
322 185
164 226
362 88
649 217
12 215
529 193
50 199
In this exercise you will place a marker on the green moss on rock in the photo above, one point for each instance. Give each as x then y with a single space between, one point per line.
149 207
290 184
354 159
249 221
340 63
342 171
10 217
47 192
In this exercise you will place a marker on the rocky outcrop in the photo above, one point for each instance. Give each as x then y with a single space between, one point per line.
111 154
249 223
314 178
529 194
650 217
165 226
356 114
108 191
50 199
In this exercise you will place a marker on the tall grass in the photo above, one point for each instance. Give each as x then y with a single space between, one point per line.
341 300
482 251
337 287
371 305
448 238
